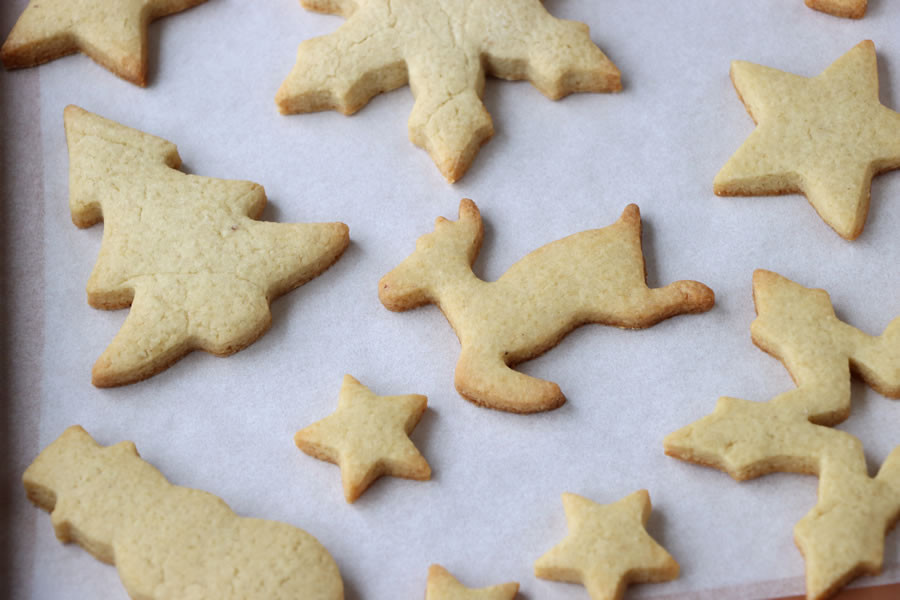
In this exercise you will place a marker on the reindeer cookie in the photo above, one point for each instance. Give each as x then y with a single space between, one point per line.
595 276
442 48
843 535
169 541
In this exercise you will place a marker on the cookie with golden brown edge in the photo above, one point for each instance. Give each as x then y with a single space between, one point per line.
851 9
595 276
842 537
185 252
444 586
169 541
607 547
367 437
113 33
443 49
824 136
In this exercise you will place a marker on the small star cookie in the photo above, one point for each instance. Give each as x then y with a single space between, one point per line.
367 437
851 9
825 137
444 586
442 48
607 547
114 34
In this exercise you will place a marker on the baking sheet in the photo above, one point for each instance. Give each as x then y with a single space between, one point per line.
553 168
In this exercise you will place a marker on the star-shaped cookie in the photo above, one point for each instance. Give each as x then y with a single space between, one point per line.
444 586
367 437
607 547
825 137
442 48
113 33
851 9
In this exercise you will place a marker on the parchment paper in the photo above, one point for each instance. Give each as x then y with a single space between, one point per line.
225 425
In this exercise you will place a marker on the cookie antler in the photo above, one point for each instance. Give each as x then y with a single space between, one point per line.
452 246
843 536
595 276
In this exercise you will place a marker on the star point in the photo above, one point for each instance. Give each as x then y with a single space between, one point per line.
113 34
850 9
367 437
442 585
607 547
824 137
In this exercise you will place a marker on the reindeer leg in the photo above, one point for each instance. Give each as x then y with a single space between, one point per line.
486 380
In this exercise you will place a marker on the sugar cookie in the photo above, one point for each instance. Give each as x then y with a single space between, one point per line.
114 34
444 586
183 251
442 48
595 276
607 547
851 9
825 137
368 436
169 541
843 535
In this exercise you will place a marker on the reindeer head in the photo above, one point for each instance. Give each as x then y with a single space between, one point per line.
775 298
450 249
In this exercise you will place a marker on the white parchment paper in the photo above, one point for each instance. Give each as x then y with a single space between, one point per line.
553 168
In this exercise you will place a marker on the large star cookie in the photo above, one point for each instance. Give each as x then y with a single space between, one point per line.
824 136
368 436
607 547
444 586
442 48
185 252
852 9
113 33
